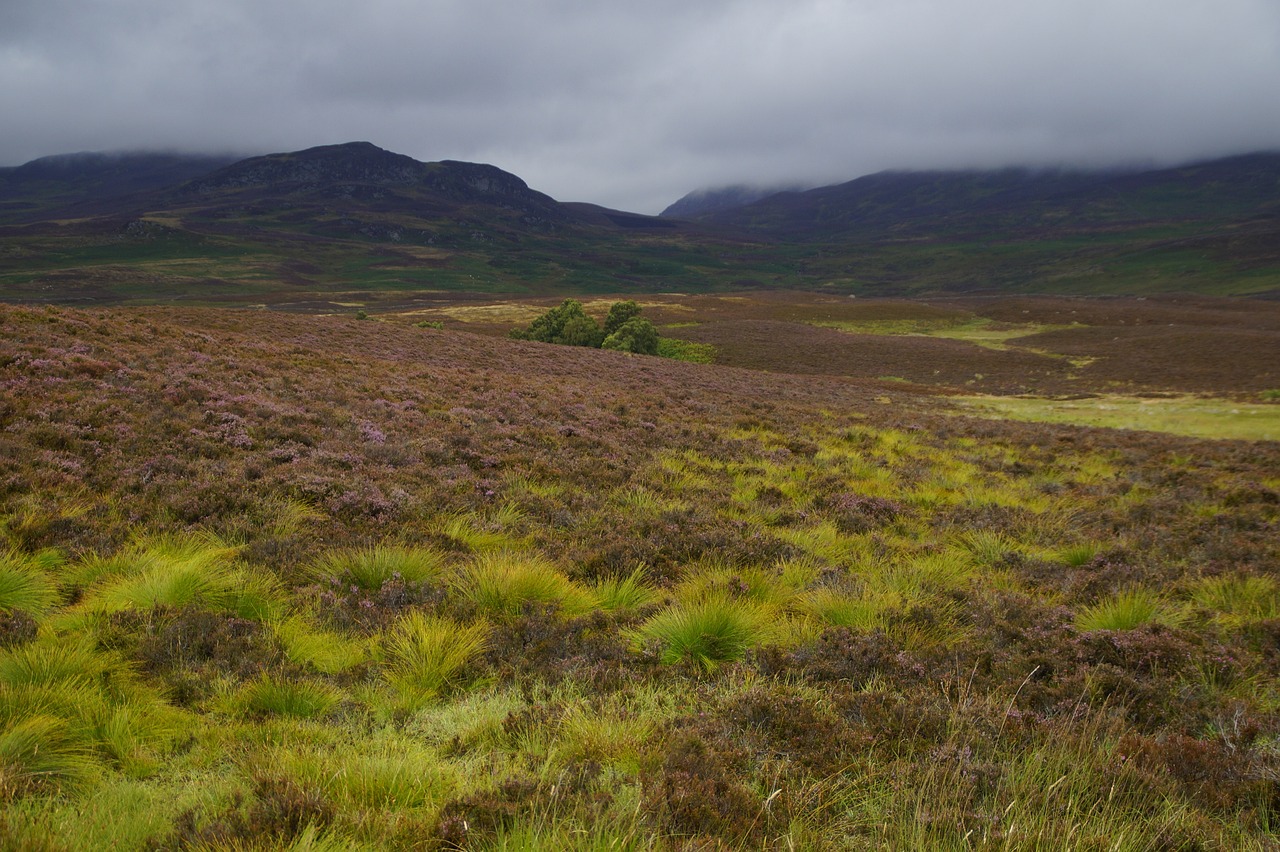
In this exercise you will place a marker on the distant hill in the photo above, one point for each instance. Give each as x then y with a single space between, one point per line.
85 182
914 204
703 202
285 227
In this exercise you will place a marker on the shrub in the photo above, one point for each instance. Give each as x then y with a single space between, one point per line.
620 313
684 350
567 324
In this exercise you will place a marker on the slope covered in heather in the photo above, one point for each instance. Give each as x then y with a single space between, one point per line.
288 581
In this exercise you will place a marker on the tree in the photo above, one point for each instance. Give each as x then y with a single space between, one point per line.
635 335
619 314
567 324
624 329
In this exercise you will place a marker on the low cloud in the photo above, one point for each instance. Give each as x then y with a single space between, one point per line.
632 105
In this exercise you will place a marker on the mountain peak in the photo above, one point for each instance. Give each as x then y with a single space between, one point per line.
356 162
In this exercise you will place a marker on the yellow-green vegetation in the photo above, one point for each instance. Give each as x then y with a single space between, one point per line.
1198 417
426 654
274 582
981 331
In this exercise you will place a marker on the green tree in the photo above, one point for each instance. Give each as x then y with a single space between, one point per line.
635 335
567 324
619 314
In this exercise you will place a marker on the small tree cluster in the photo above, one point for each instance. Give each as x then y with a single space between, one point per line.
624 329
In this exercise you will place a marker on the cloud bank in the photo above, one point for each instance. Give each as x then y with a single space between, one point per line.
632 105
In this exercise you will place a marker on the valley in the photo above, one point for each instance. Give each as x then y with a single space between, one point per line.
907 544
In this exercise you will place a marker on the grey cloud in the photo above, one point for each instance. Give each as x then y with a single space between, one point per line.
632 105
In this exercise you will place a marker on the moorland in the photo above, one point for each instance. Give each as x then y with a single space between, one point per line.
354 569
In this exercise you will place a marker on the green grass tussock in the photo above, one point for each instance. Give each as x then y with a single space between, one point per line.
1127 610
299 698
502 583
42 752
26 584
707 633
372 567
425 655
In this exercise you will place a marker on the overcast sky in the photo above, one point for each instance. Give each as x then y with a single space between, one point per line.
632 104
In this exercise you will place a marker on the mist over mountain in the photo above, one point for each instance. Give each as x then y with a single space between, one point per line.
59 180
702 202
357 216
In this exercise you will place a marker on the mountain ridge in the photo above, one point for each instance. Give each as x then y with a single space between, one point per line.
355 216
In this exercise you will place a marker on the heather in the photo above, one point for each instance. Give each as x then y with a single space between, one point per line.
306 582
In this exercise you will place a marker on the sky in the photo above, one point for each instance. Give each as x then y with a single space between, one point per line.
632 104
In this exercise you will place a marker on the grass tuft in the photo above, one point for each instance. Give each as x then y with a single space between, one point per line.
1125 611
1239 599
300 698
25 584
622 594
426 654
504 582
41 751
706 633
372 567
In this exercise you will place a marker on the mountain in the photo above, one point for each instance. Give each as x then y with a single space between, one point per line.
363 172
934 203
706 201
87 182
288 227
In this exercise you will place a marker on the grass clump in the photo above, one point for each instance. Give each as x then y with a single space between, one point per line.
866 611
175 575
391 774
106 708
1127 610
372 567
25 584
706 633
1239 600
503 583
425 654
41 752
283 697
624 594
172 555
325 651
1078 555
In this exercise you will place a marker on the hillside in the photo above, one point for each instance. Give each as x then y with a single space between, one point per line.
1017 202
311 225
70 185
292 581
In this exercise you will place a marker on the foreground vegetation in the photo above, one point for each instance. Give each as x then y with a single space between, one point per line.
298 582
